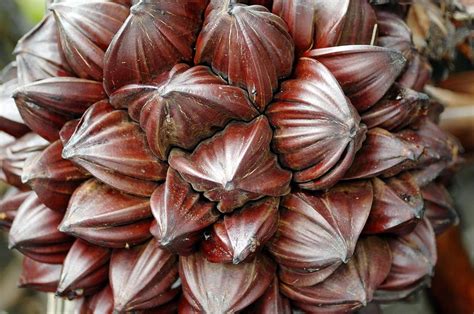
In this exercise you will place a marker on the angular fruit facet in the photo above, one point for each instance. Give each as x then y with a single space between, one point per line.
35 233
9 205
180 214
317 129
234 166
364 72
398 206
414 257
239 236
351 286
233 32
85 31
222 288
48 104
39 276
114 150
309 220
156 36
142 277
53 178
439 207
84 271
107 217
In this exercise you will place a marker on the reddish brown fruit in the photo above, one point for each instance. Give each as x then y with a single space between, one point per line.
318 131
85 270
39 276
234 166
310 220
417 73
383 154
329 22
180 214
351 286
437 144
299 15
414 257
85 31
53 178
229 35
35 233
142 277
9 206
222 288
397 207
361 17
271 302
183 107
48 104
107 217
239 236
394 33
10 119
399 108
38 54
101 302
439 207
15 156
364 72
156 36
104 134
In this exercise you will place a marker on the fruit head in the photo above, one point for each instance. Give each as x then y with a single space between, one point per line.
221 156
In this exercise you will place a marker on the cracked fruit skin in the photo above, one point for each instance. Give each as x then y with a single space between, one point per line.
222 156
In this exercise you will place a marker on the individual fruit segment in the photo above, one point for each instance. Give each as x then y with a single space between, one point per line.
39 276
439 207
233 32
85 31
329 22
394 33
35 233
399 108
101 302
351 286
234 166
398 206
417 73
318 131
299 15
364 72
384 154
114 150
180 214
9 205
142 277
361 17
10 119
53 178
107 217
414 257
272 301
16 154
311 220
38 54
238 237
156 36
183 107
437 145
85 270
221 288
47 105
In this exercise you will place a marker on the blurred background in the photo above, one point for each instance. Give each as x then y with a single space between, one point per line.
454 273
